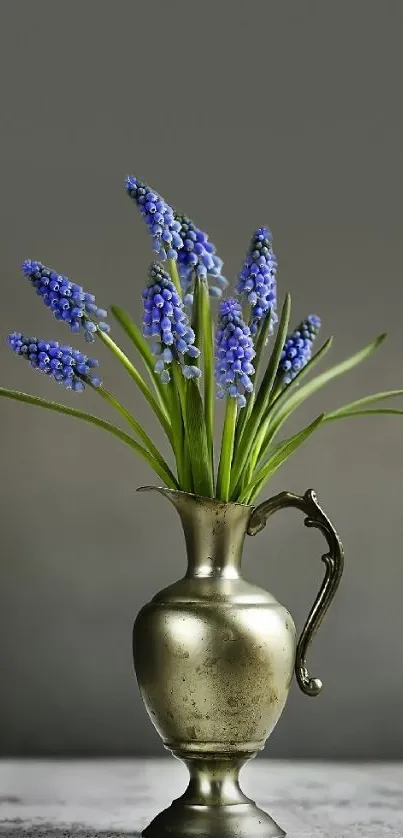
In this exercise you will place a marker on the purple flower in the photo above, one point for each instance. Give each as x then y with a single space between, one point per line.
165 320
257 279
159 217
197 257
65 364
298 348
234 353
68 301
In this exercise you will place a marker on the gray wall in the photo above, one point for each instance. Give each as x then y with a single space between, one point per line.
283 113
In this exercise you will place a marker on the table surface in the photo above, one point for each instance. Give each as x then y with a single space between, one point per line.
65 799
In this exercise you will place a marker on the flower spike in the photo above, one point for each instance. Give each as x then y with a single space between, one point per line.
165 320
67 300
198 257
159 217
65 364
257 279
298 348
234 353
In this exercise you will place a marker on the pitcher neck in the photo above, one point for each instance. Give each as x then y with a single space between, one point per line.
214 534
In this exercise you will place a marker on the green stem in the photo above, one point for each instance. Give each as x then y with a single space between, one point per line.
209 382
293 396
251 496
134 334
284 451
173 273
227 450
196 318
178 432
262 400
179 384
94 420
261 341
202 325
136 427
135 375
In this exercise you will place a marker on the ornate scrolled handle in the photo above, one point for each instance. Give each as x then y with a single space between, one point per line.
334 561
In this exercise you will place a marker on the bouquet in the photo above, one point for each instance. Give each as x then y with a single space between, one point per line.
198 341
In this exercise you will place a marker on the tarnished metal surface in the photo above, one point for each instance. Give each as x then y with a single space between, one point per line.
214 658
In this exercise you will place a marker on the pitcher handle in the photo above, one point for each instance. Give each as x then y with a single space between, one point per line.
334 561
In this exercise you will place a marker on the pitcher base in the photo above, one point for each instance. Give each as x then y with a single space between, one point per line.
242 820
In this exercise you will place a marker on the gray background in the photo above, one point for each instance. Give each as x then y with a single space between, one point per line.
283 113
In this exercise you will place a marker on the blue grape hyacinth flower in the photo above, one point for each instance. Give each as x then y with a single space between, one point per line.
66 365
67 300
159 217
165 320
233 353
257 279
198 257
298 349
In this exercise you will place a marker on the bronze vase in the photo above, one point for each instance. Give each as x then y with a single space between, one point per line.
214 658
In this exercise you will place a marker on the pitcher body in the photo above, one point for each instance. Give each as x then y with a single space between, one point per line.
214 657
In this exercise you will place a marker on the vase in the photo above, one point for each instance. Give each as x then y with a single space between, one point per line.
214 658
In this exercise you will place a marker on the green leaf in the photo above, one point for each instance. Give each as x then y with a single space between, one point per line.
261 342
196 318
181 391
133 332
282 453
285 405
294 386
208 357
161 414
94 420
197 438
266 387
319 381
178 433
380 411
138 429
359 403
227 449
268 427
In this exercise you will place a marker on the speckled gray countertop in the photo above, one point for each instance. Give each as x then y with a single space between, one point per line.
86 799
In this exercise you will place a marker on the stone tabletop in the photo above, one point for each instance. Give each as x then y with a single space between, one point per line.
86 799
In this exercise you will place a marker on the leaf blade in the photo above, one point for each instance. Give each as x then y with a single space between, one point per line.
333 372
197 437
208 356
381 411
265 389
285 450
160 413
371 399
37 401
227 449
261 342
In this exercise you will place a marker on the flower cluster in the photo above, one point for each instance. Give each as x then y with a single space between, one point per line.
65 364
159 217
197 257
298 348
165 319
257 279
68 301
234 352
